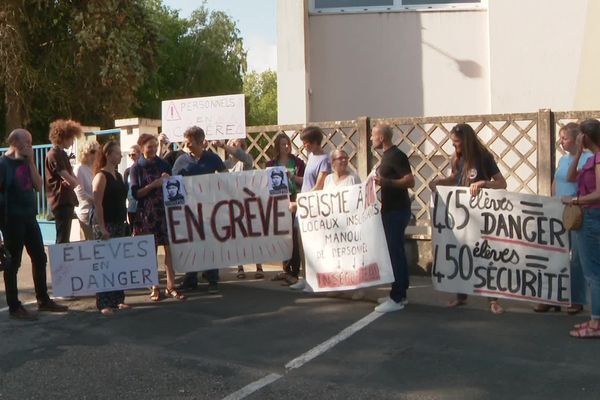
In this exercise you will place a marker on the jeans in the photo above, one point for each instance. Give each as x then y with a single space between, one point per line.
191 278
588 242
394 225
63 217
19 233
578 283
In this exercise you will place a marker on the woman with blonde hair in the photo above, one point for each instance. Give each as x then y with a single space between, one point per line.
83 172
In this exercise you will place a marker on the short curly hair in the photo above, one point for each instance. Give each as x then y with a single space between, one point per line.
64 129
87 148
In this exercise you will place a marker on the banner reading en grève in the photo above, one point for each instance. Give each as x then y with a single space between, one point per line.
221 117
500 244
343 239
223 220
93 266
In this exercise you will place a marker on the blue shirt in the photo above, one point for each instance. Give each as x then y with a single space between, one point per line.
209 163
314 166
562 186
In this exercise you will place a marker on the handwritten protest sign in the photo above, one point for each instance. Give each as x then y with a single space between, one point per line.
343 239
221 117
222 220
93 266
500 244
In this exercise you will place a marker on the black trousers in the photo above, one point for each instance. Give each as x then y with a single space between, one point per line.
63 218
19 233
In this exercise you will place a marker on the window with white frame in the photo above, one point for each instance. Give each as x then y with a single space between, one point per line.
360 6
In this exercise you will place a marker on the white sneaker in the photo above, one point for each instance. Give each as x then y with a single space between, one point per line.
301 284
382 300
389 306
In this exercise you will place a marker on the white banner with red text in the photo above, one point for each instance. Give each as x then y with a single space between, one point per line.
500 244
228 219
343 239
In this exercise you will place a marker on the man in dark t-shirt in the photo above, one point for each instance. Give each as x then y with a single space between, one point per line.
395 177
19 178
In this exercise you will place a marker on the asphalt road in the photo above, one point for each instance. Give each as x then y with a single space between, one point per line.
211 347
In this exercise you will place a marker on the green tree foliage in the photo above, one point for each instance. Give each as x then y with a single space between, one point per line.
73 58
199 56
261 98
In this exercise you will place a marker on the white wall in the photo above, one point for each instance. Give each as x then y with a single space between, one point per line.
516 56
292 62
535 52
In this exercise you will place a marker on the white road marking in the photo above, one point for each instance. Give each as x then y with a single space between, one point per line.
328 344
306 357
253 387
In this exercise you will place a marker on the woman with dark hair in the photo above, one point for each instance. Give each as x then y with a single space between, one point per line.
473 166
147 176
588 236
283 157
110 213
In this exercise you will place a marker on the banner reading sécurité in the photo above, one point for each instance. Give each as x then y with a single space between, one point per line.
223 220
500 244
343 239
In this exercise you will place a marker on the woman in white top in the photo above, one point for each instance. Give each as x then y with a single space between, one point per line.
339 177
83 172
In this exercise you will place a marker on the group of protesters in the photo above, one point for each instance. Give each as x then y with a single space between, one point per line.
109 205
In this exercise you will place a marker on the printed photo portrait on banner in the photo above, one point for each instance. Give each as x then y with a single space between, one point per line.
278 183
174 191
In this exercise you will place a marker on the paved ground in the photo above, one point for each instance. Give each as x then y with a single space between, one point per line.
210 347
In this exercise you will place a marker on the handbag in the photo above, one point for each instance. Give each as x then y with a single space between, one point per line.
572 217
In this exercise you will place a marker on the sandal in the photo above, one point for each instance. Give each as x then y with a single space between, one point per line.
174 294
155 294
123 306
259 275
582 325
456 303
241 275
542 308
586 332
574 309
496 308
107 311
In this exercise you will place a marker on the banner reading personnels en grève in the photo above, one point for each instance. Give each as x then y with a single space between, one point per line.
223 220
221 117
500 244
94 266
343 239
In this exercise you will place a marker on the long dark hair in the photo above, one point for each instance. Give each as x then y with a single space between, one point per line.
591 129
102 159
276 145
471 154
